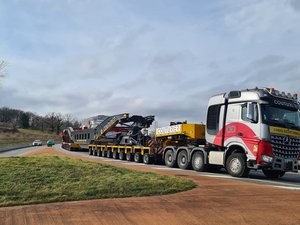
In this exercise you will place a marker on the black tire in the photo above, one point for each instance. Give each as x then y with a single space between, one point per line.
281 173
99 153
147 159
236 165
198 161
122 156
183 160
115 154
95 152
104 153
109 154
169 158
90 151
137 157
273 174
129 156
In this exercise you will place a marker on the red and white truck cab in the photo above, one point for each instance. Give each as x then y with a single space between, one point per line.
254 129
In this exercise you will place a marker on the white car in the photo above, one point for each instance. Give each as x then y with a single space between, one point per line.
37 143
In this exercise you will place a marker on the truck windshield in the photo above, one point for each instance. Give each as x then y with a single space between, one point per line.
275 116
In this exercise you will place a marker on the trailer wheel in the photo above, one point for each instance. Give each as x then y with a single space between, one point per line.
137 157
115 155
90 151
182 160
122 155
198 161
95 152
236 165
273 174
147 159
109 154
104 153
129 156
169 159
99 153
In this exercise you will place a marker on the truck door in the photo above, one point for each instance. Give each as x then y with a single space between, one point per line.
249 128
242 127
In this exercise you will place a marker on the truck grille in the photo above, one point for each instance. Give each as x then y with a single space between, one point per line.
285 147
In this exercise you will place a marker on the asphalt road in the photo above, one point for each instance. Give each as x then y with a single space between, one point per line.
18 152
214 201
289 181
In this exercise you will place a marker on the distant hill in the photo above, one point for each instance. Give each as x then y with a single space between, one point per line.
10 137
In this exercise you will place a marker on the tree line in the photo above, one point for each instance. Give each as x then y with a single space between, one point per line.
53 122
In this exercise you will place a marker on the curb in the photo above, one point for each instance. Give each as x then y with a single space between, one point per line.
10 148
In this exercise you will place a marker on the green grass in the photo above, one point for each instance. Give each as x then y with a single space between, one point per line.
25 136
42 179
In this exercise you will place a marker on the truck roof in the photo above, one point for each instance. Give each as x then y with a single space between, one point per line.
256 94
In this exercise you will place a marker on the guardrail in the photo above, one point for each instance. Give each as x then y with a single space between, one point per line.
15 147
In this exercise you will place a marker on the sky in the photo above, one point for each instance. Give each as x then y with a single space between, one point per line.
145 57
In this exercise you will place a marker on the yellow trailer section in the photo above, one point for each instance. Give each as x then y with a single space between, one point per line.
192 131
99 149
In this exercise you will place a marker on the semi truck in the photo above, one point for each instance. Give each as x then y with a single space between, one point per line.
252 129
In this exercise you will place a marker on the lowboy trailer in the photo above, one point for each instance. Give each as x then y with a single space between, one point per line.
252 129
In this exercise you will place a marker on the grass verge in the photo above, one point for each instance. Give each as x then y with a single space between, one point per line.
42 179
25 136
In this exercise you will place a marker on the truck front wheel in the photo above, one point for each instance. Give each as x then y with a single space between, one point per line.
273 174
198 161
236 165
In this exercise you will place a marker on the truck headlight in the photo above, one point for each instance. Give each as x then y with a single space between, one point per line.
267 158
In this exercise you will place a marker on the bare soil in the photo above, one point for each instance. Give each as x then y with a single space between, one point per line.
214 201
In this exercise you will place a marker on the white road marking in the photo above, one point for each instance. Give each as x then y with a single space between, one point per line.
109 160
133 164
285 187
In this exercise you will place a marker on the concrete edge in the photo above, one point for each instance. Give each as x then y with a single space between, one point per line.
10 148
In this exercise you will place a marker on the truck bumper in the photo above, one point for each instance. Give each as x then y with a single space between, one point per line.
285 164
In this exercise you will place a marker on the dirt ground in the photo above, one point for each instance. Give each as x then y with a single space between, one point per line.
214 201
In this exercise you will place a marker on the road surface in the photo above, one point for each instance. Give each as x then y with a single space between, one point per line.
217 199
288 181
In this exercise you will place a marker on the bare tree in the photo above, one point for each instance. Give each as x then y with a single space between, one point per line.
50 120
70 121
55 121
59 122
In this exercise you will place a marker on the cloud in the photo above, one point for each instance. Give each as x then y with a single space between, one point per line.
295 4
106 57
253 19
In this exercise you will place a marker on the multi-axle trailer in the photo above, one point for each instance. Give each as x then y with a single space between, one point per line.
250 129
